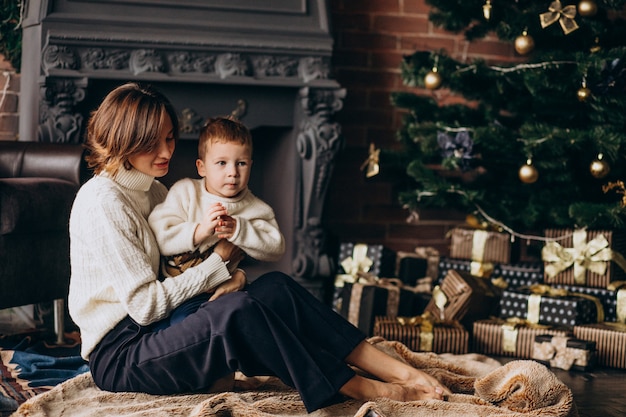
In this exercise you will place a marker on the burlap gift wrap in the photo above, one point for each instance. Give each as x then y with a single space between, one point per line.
613 298
362 302
592 258
564 352
546 305
464 297
424 333
513 337
610 341
480 245
519 274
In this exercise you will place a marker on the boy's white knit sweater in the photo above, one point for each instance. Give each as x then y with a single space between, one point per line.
115 258
175 220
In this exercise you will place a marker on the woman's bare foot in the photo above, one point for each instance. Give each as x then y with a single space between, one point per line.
362 388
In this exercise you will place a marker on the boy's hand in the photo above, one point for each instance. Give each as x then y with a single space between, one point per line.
226 227
209 222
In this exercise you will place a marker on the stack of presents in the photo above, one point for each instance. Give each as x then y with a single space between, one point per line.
567 310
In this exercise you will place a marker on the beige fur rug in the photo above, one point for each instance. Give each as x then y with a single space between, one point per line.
481 386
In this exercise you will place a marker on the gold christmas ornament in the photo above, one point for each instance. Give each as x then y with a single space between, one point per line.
524 44
587 8
433 79
372 164
528 173
599 168
487 10
583 92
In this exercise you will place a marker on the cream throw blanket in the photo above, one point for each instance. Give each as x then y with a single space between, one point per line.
481 386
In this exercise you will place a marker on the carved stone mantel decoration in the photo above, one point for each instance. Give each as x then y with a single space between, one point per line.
318 142
269 61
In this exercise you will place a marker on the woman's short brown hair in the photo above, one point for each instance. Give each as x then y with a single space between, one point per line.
223 130
127 122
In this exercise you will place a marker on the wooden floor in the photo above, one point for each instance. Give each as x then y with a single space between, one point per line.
600 392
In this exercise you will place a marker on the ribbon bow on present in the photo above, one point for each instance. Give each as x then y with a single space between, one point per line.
560 355
593 256
426 322
565 16
358 262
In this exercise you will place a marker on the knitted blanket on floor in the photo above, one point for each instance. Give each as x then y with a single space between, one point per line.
481 387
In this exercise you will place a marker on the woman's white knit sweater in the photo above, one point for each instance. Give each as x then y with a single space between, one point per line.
115 258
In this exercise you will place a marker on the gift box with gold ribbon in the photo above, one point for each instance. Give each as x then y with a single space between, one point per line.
478 269
424 333
464 297
564 352
363 301
544 304
480 245
356 260
613 298
592 258
413 266
610 341
512 337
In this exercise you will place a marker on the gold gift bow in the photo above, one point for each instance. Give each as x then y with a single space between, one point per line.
358 262
620 307
565 16
539 290
592 256
559 354
510 328
426 322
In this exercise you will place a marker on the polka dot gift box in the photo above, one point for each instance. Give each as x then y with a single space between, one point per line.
544 305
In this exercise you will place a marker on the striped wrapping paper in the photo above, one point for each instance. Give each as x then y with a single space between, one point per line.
480 245
563 240
449 337
610 341
502 338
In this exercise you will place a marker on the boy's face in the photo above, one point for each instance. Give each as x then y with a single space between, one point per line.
225 168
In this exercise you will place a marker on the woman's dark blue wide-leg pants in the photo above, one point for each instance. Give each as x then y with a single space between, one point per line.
273 327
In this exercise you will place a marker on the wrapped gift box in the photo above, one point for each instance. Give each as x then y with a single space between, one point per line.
550 306
480 245
423 262
613 298
423 333
610 339
591 258
362 302
513 338
564 352
520 274
463 265
463 297
374 259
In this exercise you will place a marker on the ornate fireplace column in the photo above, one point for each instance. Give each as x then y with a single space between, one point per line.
206 56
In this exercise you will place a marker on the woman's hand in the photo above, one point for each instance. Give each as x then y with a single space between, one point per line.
229 253
236 283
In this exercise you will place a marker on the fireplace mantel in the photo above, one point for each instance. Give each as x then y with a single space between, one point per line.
267 62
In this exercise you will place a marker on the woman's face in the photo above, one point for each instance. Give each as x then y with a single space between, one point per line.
157 162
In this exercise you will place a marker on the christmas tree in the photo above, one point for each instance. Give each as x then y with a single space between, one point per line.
539 143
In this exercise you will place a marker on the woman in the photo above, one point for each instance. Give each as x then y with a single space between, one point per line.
271 326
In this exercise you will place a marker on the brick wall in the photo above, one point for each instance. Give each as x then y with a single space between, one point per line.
9 94
371 37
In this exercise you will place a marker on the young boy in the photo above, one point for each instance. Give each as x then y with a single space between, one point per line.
197 213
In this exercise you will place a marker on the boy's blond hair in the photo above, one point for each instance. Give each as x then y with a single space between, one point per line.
223 130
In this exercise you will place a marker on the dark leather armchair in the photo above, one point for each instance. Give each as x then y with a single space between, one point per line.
38 183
